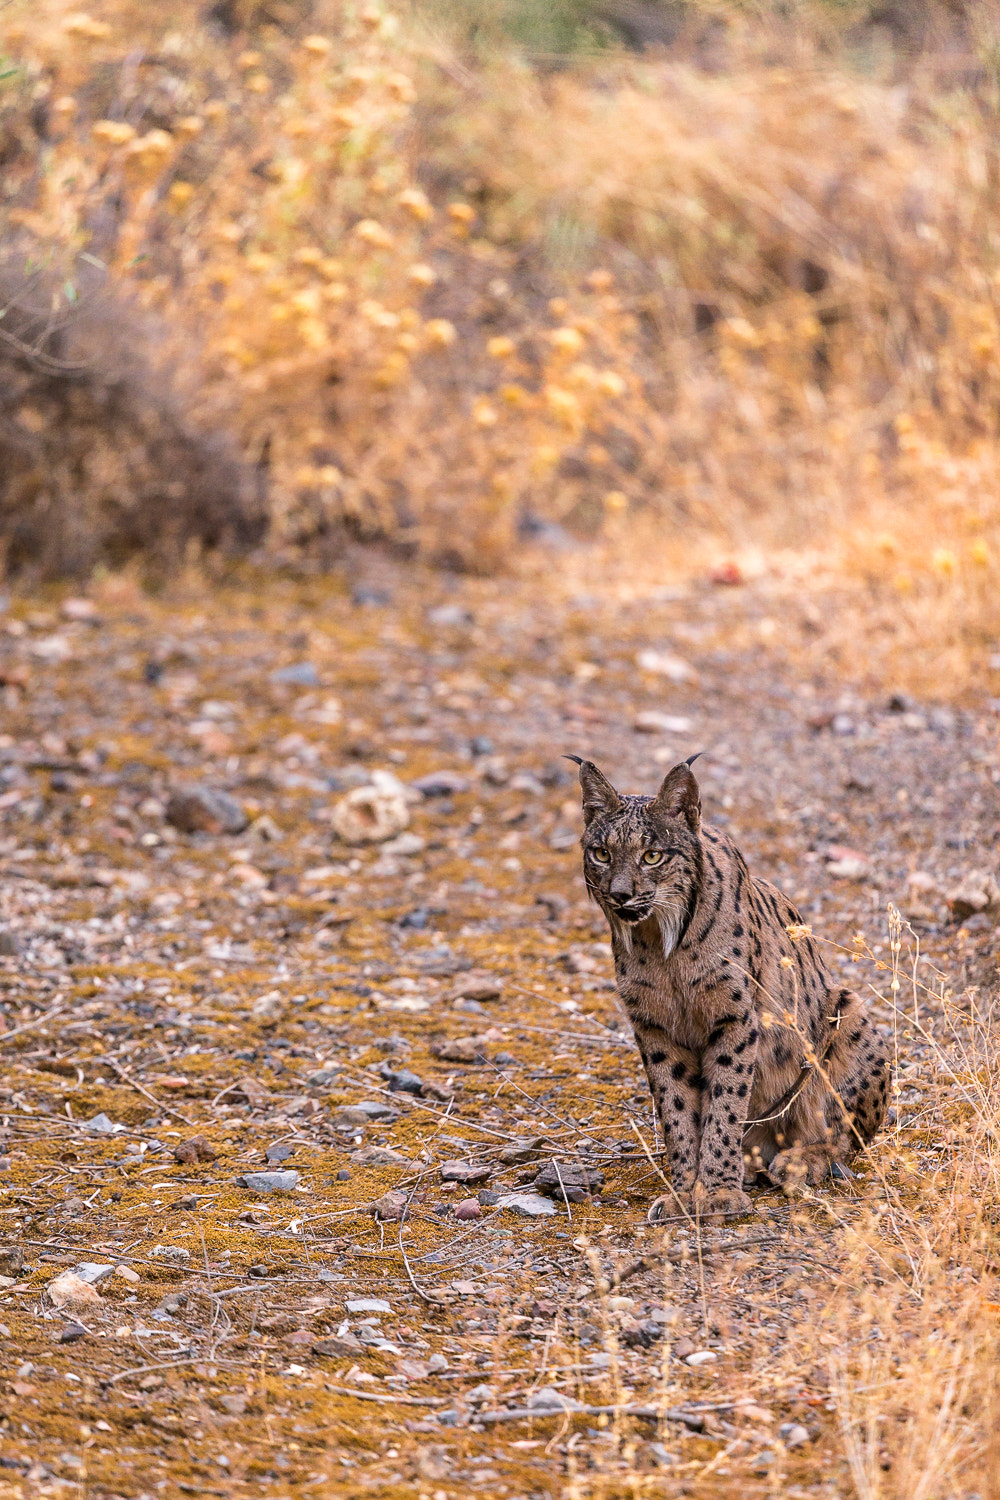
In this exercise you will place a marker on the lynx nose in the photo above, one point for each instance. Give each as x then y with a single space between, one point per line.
620 889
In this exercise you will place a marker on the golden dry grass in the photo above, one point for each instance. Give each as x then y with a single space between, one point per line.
754 307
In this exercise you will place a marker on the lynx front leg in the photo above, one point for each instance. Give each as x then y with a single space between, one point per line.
728 1073
675 1082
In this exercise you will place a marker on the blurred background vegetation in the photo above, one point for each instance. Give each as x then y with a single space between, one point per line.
456 274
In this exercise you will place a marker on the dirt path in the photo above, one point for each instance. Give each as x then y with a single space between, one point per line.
254 988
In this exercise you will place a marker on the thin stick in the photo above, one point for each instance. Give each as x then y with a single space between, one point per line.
347 1390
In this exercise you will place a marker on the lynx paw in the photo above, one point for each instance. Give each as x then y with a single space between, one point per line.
800 1166
702 1203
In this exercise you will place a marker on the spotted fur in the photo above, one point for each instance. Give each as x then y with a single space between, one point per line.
756 1060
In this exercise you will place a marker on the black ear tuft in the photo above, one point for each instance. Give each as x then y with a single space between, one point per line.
574 758
599 796
692 758
679 796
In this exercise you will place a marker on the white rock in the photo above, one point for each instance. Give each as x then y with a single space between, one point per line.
532 1204
665 664
702 1357
549 1399
71 1291
652 722
372 814
368 1305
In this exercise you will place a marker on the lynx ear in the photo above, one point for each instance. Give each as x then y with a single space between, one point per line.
599 796
679 796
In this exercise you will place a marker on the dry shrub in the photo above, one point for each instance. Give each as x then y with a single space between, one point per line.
100 460
447 300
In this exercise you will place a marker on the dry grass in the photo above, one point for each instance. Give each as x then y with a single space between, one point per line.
753 304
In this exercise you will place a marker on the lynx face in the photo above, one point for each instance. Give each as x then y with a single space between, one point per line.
642 856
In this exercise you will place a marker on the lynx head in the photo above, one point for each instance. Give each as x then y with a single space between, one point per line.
642 855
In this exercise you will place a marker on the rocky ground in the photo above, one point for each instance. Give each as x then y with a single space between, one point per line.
267 1085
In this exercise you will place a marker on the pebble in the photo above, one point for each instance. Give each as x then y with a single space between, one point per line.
127 1274
368 1305
665 664
548 1398
372 814
481 744
92 1271
278 1152
701 1357
449 614
662 1454
532 1204
652 722
269 1182
464 1171
793 1434
468 1209
101 1125
437 1364
71 1332
195 1149
391 1207
204 809
402 1081
170 1252
568 1180
70 1290
299 673
441 784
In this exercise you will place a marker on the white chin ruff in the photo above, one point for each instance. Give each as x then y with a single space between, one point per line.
669 926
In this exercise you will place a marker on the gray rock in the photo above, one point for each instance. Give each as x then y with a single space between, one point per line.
568 1180
101 1125
793 1434
299 673
204 809
402 1081
92 1271
322 1076
547 1398
9 945
368 1305
441 784
532 1204
464 1171
449 614
269 1182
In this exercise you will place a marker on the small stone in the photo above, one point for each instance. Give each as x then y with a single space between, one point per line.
204 809
481 1395
72 1332
568 1180
441 784
322 1077
343 1175
278 1152
665 664
487 1198
402 1081
532 1204
476 985
92 1271
391 1207
701 1357
83 611
269 1182
405 844
195 1149
524 1150
977 892
461 1049
548 1398
259 1271
373 813
449 614
481 744
662 1455
234 1405
170 1252
127 1274
298 673
338 1346
437 1364
9 945
379 1156
650 721
71 1291
468 1209
361 1305
465 1172
101 1125
842 724
11 1260
793 1435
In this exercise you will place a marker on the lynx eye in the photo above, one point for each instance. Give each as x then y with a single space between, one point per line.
601 856
652 857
